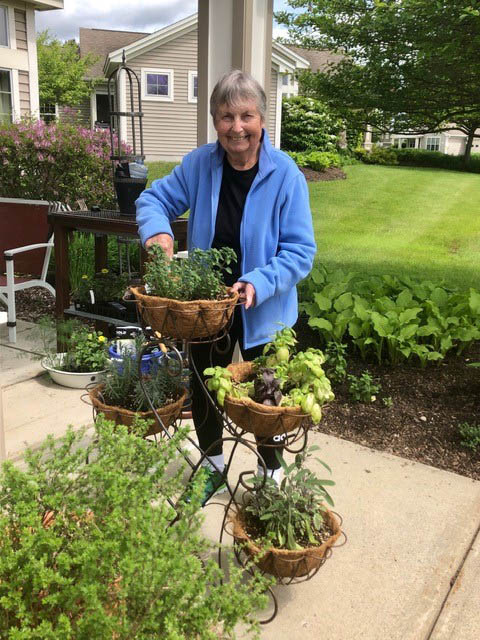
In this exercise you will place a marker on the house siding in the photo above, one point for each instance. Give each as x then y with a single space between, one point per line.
82 109
271 115
169 128
24 92
21 29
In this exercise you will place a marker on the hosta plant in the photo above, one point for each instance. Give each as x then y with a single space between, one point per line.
87 549
282 378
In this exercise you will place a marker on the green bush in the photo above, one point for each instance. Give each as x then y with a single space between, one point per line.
388 318
435 159
470 435
308 124
88 549
58 161
379 155
317 160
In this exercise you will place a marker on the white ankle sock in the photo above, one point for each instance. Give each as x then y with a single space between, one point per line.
275 474
218 461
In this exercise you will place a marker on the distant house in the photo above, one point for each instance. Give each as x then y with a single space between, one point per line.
166 64
452 142
18 57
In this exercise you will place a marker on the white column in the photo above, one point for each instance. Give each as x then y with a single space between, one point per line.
368 138
232 34
278 110
32 64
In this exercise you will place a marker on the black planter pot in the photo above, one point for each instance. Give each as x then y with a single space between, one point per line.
128 190
119 309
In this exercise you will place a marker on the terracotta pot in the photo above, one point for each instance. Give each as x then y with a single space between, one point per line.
168 413
262 420
185 320
284 563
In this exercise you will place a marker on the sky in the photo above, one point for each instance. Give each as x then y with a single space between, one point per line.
124 15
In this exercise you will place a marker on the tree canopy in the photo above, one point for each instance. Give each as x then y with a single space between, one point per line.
410 66
61 71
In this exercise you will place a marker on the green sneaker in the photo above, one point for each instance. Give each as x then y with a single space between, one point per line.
214 484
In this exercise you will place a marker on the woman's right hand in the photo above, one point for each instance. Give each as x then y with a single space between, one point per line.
165 240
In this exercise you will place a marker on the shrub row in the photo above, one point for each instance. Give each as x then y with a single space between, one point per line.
417 158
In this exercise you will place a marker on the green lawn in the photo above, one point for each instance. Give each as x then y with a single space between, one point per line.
421 222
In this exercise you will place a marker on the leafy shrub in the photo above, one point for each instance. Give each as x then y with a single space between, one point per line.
105 285
198 277
436 159
389 318
470 434
308 124
87 550
317 160
58 161
336 364
363 388
290 514
379 155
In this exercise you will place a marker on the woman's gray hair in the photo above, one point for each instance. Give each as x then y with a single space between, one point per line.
234 87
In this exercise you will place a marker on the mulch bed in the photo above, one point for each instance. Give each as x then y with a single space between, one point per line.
427 404
329 174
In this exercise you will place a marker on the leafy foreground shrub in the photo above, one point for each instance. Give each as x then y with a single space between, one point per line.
317 160
388 318
308 124
59 161
377 155
86 550
470 435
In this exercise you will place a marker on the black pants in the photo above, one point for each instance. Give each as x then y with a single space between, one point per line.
207 423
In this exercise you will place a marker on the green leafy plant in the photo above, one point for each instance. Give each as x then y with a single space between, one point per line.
387 401
317 160
379 155
388 318
85 349
363 388
123 388
87 549
290 515
105 285
308 124
336 364
470 435
282 378
198 277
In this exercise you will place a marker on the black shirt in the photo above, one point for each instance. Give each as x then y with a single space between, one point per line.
233 193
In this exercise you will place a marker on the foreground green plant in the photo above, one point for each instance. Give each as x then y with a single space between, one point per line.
87 550
336 364
289 515
470 434
363 388
105 286
198 277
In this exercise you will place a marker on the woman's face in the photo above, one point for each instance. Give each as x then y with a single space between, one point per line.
239 128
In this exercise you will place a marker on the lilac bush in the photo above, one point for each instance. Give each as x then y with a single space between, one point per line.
57 161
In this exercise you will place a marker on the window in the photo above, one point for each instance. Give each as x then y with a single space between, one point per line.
433 144
3 26
157 84
5 97
192 86
48 112
406 143
285 80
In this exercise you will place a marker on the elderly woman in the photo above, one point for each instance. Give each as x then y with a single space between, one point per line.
245 194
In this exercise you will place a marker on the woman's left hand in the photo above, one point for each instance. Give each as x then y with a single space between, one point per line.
246 293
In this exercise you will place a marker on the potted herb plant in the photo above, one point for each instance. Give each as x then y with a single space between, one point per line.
84 360
275 392
185 298
86 550
103 294
121 398
286 528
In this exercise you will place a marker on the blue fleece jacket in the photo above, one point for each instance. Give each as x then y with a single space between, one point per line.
276 234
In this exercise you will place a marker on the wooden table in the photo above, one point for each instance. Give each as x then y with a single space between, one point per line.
103 224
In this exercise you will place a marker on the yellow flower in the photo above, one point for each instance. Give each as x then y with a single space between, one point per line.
102 339
104 270
84 277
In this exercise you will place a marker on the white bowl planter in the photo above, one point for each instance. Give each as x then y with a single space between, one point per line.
69 379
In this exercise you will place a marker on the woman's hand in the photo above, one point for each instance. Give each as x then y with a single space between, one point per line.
246 293
165 240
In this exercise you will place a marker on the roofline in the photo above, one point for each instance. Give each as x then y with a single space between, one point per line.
300 60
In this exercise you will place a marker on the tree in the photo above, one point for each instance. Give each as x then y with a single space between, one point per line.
61 71
410 66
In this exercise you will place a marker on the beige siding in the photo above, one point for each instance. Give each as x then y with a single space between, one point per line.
169 128
21 29
272 112
83 110
24 91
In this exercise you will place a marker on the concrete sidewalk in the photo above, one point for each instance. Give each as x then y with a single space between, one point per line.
410 569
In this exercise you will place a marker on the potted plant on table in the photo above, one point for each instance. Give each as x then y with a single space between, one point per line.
85 357
287 529
274 393
185 298
122 399
103 294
